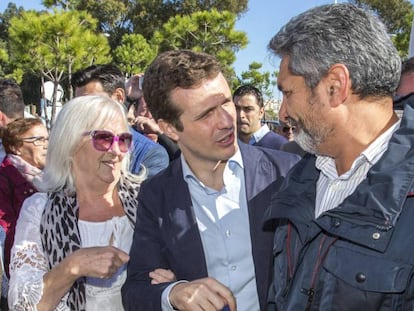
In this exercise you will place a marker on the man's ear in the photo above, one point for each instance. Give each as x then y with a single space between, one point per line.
119 95
338 83
261 112
168 129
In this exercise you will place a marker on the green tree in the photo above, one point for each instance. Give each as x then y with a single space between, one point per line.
5 17
210 32
119 17
134 54
147 16
264 81
53 45
397 15
6 67
4 57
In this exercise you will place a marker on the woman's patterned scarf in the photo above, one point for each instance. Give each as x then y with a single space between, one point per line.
60 232
29 171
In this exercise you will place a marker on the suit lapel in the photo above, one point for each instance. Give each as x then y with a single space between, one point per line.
182 228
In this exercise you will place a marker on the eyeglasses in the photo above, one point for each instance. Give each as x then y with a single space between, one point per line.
103 140
287 129
36 140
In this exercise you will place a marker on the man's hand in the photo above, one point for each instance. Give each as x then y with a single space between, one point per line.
202 295
159 276
147 125
132 87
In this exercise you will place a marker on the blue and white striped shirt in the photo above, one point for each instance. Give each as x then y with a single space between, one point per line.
331 189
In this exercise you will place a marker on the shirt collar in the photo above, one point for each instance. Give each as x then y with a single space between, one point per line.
258 135
232 163
371 154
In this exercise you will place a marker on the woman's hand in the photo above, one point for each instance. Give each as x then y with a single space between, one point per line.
98 262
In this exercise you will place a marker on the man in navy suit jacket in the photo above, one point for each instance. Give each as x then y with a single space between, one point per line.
250 111
202 217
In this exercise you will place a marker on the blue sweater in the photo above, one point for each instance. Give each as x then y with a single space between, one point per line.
147 153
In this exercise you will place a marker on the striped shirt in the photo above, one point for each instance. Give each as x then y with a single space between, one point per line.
331 189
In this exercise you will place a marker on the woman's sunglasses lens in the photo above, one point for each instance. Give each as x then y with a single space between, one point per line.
102 141
124 142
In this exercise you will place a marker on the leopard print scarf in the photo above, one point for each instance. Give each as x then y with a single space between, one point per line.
60 232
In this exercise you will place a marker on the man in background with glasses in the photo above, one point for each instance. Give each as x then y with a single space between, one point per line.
288 130
406 87
141 119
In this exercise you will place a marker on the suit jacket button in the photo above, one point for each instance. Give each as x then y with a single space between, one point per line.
360 277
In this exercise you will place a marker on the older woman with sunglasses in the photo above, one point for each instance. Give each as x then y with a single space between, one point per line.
25 142
73 238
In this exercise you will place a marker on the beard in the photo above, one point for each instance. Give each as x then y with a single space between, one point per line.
311 129
306 141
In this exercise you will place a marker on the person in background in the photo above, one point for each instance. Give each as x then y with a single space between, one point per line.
250 111
141 118
73 236
11 106
287 130
202 216
4 283
25 142
406 85
344 217
108 80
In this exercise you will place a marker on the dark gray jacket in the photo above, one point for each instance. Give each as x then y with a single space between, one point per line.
358 256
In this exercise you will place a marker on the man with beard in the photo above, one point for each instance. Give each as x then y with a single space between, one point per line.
344 237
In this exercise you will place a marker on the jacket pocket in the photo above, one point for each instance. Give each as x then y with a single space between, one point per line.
361 281
368 273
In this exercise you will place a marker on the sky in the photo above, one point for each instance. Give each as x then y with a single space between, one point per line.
261 22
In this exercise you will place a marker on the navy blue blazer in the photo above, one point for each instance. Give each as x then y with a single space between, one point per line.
271 140
166 233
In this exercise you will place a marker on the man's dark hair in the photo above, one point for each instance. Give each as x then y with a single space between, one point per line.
248 89
175 69
108 75
11 99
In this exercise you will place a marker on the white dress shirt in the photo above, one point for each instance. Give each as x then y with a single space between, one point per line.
223 222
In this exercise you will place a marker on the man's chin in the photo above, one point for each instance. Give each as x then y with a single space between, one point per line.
306 142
